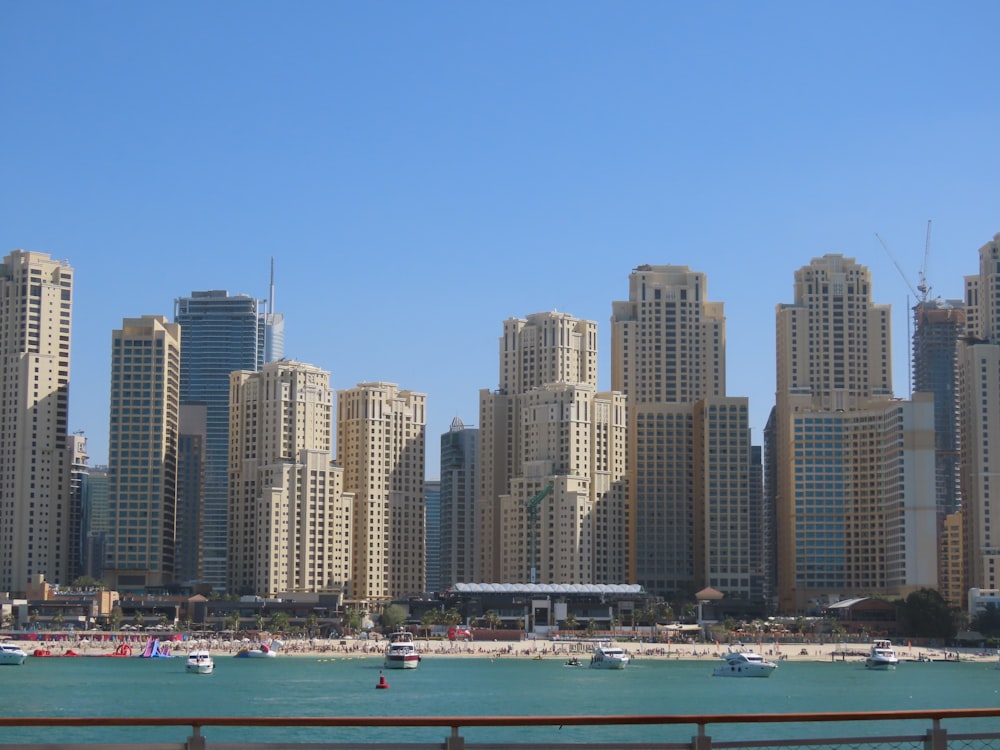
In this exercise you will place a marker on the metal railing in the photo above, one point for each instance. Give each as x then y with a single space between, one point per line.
935 736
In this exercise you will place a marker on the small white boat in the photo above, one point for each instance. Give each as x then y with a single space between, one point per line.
200 662
401 653
11 654
743 663
607 656
882 655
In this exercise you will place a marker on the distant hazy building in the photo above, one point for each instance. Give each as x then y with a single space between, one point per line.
380 443
432 545
36 302
289 518
220 334
95 522
979 358
552 485
696 519
459 461
190 491
77 446
855 499
142 454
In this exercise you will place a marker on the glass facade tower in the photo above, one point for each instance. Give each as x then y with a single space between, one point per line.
219 335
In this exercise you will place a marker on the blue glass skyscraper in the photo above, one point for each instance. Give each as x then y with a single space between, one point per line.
219 335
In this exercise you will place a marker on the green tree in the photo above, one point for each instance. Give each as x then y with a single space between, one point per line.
452 617
9 620
115 617
392 618
232 621
591 627
278 622
312 623
139 618
571 622
925 614
33 618
58 619
987 622
493 620
259 621
350 620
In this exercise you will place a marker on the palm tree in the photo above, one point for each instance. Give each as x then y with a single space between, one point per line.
58 619
493 620
350 620
570 622
429 619
115 618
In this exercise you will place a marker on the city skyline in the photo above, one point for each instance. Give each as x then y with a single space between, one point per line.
391 159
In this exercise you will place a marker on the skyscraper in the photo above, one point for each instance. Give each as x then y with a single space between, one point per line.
459 461
290 520
142 453
380 443
36 302
552 460
979 362
854 497
432 546
220 334
693 521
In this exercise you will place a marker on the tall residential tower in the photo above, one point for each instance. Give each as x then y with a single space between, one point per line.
289 518
36 302
695 520
142 454
854 498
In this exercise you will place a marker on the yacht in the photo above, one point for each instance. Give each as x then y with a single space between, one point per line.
200 662
882 656
401 653
607 656
12 654
742 663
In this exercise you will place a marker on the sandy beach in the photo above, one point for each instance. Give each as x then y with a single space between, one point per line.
523 649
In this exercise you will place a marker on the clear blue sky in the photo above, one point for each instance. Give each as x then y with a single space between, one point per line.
422 171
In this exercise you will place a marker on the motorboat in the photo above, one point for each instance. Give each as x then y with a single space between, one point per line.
608 656
200 662
882 655
573 662
401 653
263 651
11 654
742 663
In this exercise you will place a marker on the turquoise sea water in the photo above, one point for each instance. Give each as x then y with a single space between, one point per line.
305 686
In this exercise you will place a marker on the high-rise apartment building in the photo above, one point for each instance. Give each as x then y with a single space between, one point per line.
142 453
95 522
220 334
188 550
979 362
552 460
694 520
459 462
289 517
854 495
381 433
36 301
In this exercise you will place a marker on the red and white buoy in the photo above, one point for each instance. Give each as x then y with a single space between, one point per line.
382 684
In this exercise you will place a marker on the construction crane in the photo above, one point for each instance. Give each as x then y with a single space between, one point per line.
531 505
921 290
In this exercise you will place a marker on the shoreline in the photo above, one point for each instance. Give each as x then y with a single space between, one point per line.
523 649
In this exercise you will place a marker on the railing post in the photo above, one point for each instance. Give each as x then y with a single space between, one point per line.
937 737
455 741
701 741
196 741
